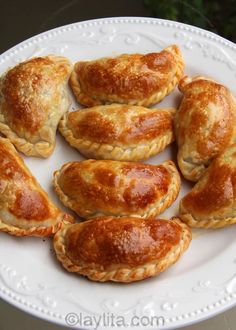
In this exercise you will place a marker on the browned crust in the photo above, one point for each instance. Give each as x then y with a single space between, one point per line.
204 124
122 273
130 78
28 116
210 204
117 188
119 132
25 208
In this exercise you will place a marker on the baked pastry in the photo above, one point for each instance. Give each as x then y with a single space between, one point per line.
25 209
105 187
204 124
121 249
33 97
138 79
211 203
119 132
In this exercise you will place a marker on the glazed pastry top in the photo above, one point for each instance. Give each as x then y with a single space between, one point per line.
95 187
204 123
120 124
121 241
128 78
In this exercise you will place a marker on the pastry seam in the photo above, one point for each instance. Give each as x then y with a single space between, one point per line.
85 99
108 151
124 274
154 210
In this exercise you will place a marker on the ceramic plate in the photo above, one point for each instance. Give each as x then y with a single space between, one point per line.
203 282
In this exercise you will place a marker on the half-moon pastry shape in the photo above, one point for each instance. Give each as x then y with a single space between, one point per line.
33 98
212 201
107 187
138 79
204 124
25 209
119 132
121 249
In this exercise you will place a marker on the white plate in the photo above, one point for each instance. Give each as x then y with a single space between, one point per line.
203 282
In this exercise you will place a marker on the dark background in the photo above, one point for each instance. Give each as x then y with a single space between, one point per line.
21 19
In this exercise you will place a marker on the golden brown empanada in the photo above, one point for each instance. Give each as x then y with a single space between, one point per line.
119 132
33 97
25 209
212 201
121 249
138 79
205 124
106 187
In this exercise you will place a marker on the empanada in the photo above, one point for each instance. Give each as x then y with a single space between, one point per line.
121 249
25 209
205 124
138 79
119 132
33 97
212 201
106 187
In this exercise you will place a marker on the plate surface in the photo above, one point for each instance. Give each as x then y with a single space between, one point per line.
203 282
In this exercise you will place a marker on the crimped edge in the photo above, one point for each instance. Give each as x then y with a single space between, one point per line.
40 231
124 275
195 222
40 148
96 150
190 220
34 231
154 210
86 100
194 170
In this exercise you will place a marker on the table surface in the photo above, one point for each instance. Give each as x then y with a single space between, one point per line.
30 18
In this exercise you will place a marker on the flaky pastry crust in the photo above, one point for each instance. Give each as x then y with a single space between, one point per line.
121 249
204 124
25 209
105 187
33 97
137 79
212 201
119 132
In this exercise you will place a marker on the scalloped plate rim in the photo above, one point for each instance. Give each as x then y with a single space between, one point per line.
185 27
227 42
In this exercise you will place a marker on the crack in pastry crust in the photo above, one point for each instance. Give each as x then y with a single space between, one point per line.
166 255
211 202
119 132
33 97
92 188
204 124
25 209
130 78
